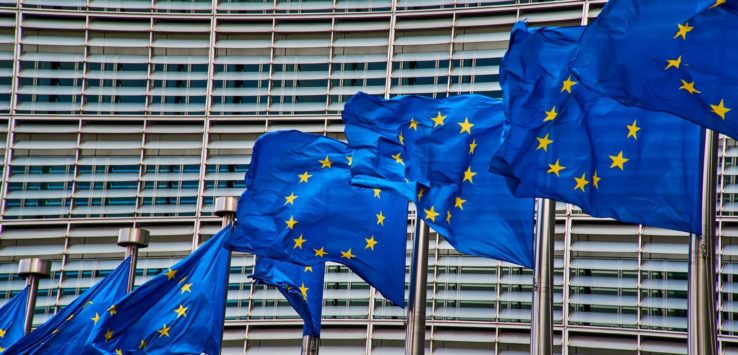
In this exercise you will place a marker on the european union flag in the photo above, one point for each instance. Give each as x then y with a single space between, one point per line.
68 331
436 153
299 206
675 56
180 311
302 286
569 144
12 319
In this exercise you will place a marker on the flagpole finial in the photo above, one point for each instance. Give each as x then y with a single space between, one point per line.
133 236
33 269
33 266
225 205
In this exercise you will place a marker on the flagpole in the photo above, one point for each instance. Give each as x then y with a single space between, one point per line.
701 317
415 337
541 326
32 269
225 207
132 239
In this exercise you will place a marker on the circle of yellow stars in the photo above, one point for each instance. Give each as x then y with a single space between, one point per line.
438 121
719 108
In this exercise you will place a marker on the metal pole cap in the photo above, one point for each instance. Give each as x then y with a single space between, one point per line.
226 205
33 266
133 236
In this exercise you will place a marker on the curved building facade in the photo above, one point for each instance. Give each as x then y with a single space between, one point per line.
115 113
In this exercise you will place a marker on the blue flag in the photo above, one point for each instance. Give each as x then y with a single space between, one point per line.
299 206
436 153
12 319
675 56
68 331
569 144
180 311
302 286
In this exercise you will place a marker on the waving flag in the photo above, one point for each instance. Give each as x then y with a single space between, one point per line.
569 144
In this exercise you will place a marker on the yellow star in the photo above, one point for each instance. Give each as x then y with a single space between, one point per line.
472 146
543 142
142 344
581 182
291 223
431 213
2 333
320 252
118 351
2 349
720 109
401 138
290 200
182 280
304 177
567 85
380 218
186 288
555 168
87 304
438 120
398 159
325 163
299 241
164 331
370 243
349 160
618 160
413 124
465 126
673 63
448 216
377 192
551 114
689 87
633 130
596 180
96 318
181 311
420 193
70 317
459 203
718 3
108 335
468 175
304 291
171 274
308 268
347 254
112 310
683 29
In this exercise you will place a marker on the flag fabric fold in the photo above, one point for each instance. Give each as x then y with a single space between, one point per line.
435 152
300 207
570 144
12 319
301 286
180 311
69 331
675 56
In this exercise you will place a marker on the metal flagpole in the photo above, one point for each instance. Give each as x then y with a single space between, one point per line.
701 334
133 239
541 326
415 337
32 269
225 207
